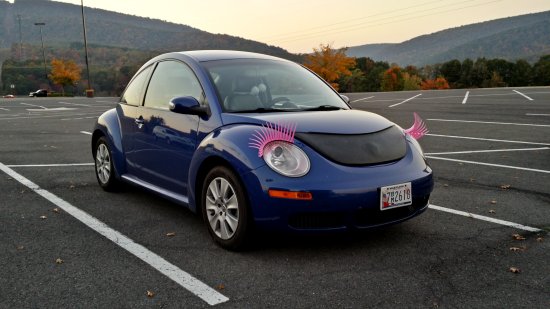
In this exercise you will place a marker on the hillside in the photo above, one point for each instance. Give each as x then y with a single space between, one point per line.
64 25
520 37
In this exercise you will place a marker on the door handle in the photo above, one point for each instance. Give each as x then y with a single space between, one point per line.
139 121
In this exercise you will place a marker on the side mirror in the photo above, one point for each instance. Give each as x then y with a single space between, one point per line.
187 105
345 98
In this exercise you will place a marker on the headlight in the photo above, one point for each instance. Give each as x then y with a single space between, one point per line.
286 159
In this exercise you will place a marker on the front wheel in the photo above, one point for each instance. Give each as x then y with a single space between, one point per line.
104 170
225 208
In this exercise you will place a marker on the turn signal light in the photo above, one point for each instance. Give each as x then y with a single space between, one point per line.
294 195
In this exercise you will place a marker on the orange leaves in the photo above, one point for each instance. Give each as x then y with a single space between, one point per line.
438 83
64 72
330 64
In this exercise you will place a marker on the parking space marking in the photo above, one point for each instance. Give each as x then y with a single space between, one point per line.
50 165
28 104
466 97
487 139
184 279
75 104
33 116
523 95
484 218
492 122
490 164
484 151
537 114
86 132
359 100
407 100
4 109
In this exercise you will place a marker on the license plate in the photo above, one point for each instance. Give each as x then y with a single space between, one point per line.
395 196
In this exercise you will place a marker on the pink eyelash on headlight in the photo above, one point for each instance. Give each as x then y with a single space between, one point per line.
270 132
418 129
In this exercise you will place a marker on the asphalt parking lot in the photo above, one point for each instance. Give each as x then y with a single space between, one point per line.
483 242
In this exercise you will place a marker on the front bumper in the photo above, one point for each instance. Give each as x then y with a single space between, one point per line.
343 197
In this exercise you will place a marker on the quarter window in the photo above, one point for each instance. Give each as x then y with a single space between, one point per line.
171 79
134 92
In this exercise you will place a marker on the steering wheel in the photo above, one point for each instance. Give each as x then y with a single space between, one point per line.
287 103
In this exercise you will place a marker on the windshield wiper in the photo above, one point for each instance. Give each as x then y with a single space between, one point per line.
324 108
263 110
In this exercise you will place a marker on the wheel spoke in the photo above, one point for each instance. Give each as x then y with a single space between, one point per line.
213 189
223 230
233 222
224 185
232 203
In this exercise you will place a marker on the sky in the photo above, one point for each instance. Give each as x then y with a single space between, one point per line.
301 25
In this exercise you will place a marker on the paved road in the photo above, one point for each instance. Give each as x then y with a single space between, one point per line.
498 142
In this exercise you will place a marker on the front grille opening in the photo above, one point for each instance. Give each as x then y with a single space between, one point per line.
317 220
375 216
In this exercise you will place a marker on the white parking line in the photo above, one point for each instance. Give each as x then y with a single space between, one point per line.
490 164
4 109
537 114
491 122
407 100
466 97
484 151
484 218
184 279
359 100
487 139
76 104
50 165
523 95
86 132
28 104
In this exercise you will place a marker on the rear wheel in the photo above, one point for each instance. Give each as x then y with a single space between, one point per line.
225 208
104 170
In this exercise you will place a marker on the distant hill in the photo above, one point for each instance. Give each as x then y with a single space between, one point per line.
64 25
520 37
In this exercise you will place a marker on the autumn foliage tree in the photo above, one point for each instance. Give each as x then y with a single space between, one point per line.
64 72
330 64
437 84
392 79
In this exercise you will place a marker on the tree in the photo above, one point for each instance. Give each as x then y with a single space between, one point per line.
330 64
64 72
411 82
438 84
541 71
452 71
392 79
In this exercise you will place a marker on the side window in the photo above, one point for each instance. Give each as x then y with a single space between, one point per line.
171 79
134 91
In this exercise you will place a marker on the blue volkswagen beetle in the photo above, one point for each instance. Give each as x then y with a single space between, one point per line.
254 141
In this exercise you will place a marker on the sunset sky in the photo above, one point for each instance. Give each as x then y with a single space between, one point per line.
298 26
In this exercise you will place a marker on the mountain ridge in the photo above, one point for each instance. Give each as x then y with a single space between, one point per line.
439 46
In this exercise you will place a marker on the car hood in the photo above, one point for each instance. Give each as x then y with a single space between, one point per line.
329 122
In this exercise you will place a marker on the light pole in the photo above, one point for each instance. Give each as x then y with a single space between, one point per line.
89 91
43 52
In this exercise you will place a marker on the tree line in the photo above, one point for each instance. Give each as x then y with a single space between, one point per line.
363 74
113 68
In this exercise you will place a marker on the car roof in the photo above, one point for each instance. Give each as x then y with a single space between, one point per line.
211 55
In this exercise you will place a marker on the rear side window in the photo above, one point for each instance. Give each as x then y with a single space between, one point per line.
134 91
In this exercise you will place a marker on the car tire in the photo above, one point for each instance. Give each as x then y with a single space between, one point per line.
104 169
225 209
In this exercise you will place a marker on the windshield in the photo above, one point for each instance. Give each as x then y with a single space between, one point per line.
254 85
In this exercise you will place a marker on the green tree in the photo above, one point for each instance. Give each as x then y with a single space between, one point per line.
411 82
522 74
452 71
541 71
